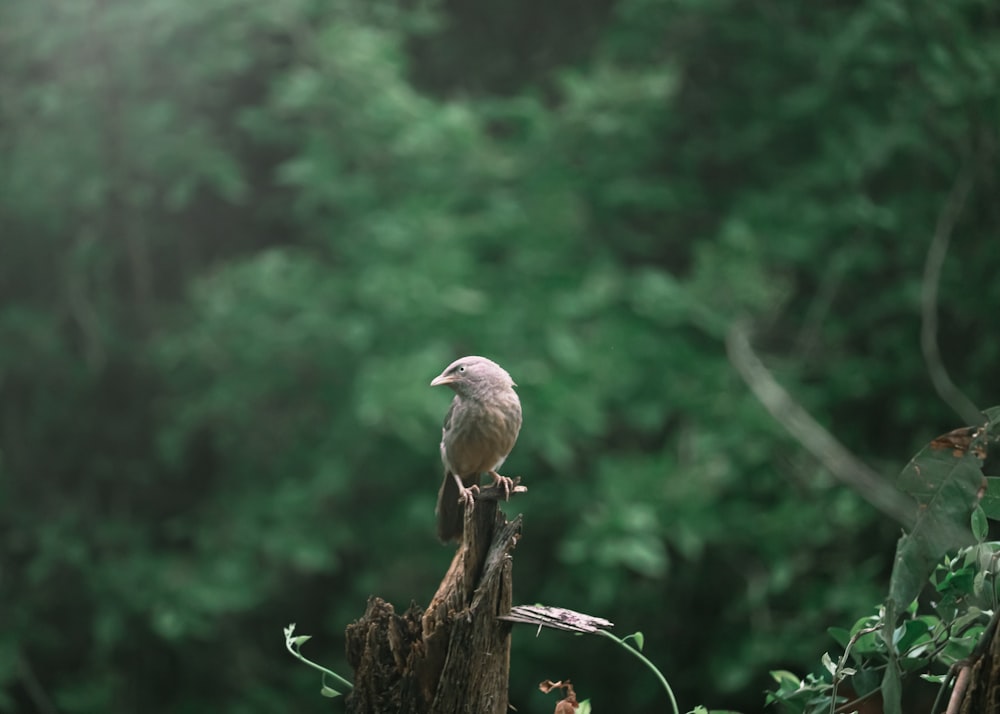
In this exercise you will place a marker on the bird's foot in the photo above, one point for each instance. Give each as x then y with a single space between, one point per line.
467 496
504 483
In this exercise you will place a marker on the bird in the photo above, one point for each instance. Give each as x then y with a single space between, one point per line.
479 432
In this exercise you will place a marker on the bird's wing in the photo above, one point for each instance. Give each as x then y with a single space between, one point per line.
447 417
444 436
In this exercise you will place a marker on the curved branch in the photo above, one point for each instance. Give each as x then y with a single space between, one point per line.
947 218
840 462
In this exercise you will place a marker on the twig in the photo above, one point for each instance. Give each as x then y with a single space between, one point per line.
947 218
852 705
945 686
293 645
814 438
842 662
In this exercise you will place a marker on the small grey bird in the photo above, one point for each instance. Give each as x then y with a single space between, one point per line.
478 434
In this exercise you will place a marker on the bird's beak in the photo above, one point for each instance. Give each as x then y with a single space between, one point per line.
443 379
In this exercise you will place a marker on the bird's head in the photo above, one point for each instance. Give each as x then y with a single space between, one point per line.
469 375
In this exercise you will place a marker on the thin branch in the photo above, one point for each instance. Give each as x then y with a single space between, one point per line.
840 462
945 686
294 645
838 675
852 706
936 253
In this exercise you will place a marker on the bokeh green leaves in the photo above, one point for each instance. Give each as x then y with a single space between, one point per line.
238 240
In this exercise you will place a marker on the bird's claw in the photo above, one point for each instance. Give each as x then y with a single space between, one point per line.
467 497
504 483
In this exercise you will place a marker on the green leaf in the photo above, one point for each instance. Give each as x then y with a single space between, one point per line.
301 640
640 640
840 635
991 499
960 648
868 644
865 681
945 478
891 687
863 623
972 615
891 690
787 681
909 633
980 525
329 692
959 582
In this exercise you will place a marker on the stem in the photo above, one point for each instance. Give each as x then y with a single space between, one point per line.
641 656
946 685
337 678
842 663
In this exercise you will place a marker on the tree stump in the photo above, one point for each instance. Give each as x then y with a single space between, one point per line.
455 655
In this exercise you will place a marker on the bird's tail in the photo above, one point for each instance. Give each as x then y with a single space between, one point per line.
450 514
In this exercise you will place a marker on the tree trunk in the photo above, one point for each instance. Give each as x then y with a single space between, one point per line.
455 656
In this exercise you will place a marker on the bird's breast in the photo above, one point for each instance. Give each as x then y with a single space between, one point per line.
481 433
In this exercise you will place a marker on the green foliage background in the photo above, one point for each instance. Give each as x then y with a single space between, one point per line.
238 239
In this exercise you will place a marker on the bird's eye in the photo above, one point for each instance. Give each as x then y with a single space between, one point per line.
461 368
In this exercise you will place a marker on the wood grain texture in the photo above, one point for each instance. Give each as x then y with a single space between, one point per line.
455 655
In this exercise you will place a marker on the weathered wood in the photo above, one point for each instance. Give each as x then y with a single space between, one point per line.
380 647
455 656
558 618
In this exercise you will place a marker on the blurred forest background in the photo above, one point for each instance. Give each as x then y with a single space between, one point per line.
238 239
